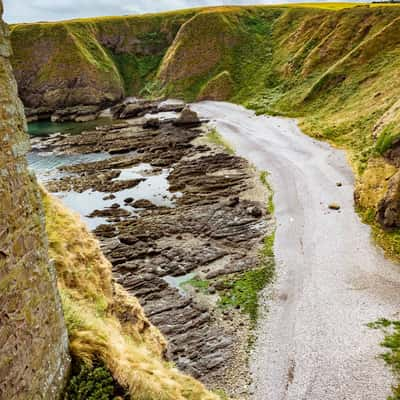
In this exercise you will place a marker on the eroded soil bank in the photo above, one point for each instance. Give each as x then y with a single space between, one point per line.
180 220
314 343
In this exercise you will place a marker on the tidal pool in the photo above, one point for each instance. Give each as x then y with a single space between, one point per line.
47 128
46 164
179 281
154 187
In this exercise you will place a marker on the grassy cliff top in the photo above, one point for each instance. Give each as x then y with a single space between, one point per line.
195 10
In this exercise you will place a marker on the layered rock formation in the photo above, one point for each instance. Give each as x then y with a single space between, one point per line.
33 339
332 67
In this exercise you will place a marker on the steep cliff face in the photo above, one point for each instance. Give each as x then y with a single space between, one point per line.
90 61
33 339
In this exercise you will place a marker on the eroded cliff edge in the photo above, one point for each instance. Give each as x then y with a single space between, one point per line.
33 339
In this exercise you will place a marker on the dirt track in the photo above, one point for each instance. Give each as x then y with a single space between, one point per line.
313 344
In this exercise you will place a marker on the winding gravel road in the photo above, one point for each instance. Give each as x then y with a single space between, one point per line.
313 344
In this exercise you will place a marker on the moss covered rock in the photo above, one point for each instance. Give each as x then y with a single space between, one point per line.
389 207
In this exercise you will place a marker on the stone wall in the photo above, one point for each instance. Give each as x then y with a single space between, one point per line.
33 340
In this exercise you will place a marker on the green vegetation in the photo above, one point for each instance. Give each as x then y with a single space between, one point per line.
330 65
243 289
108 332
265 182
215 137
200 284
222 394
219 87
391 342
388 240
87 383
136 71
389 135
306 61
93 60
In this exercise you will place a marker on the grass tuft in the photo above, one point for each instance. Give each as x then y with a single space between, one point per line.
215 137
391 342
200 284
264 180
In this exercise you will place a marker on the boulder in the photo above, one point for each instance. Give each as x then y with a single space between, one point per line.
152 123
254 211
187 117
37 114
233 201
171 106
81 113
143 204
86 118
132 110
388 213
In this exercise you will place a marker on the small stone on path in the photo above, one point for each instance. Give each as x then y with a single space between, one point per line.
334 206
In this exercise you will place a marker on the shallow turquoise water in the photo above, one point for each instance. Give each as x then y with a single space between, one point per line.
46 128
46 164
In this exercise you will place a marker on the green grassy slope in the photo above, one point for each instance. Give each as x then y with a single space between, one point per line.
106 325
90 61
334 66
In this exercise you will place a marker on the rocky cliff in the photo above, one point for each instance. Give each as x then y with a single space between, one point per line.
33 339
90 61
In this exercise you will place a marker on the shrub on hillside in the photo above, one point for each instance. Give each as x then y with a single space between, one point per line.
90 384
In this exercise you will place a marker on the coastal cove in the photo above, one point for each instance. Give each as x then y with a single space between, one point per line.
201 204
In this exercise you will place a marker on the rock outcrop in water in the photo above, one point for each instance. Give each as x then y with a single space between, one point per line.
33 339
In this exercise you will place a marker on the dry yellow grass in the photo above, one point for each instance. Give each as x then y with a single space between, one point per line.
106 323
372 184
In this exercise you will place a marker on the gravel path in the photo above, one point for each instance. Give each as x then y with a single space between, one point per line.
313 344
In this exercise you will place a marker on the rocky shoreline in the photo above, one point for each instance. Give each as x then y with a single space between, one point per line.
179 251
